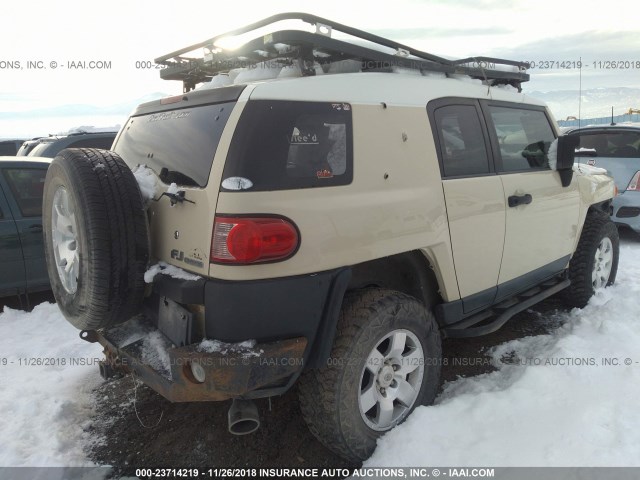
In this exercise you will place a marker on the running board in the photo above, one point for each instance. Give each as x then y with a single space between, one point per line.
464 329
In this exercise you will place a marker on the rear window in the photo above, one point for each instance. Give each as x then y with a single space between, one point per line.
614 145
179 145
280 145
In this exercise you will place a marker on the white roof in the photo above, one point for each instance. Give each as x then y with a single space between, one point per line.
374 88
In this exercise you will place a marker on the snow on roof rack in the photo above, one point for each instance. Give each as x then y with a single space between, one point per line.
305 49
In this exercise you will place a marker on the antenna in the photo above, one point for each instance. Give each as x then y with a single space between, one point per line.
612 122
580 96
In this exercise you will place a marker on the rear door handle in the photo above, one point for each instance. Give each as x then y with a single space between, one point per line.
515 200
35 228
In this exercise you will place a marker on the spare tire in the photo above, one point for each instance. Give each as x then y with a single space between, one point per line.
96 237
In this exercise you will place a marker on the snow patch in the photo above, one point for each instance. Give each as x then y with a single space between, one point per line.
552 154
173 189
147 182
508 88
551 403
245 348
434 74
281 47
220 80
466 79
171 270
586 150
586 169
45 389
155 353
92 129
260 71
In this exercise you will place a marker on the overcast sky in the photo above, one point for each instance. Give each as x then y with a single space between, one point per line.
123 32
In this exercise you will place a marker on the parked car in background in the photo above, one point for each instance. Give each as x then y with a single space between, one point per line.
27 146
617 149
22 267
50 146
10 147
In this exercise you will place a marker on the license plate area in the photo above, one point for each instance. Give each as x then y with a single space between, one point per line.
175 322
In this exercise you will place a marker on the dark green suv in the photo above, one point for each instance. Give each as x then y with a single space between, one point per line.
22 268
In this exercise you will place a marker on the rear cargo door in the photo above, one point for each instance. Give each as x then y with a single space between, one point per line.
177 139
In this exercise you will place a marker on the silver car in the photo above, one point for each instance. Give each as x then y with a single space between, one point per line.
617 149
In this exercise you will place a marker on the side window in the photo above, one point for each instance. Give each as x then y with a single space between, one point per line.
462 146
524 137
281 145
27 186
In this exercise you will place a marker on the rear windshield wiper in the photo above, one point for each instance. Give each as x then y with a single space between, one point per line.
172 176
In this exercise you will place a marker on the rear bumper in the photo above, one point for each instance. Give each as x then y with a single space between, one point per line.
292 322
626 210
229 373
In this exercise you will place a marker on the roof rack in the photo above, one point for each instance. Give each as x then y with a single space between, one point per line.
305 49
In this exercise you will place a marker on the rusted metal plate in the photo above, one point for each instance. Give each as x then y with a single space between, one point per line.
229 373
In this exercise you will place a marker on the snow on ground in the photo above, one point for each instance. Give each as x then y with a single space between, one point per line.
556 404
551 403
44 409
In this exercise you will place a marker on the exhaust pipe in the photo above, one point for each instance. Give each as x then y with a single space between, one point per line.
243 417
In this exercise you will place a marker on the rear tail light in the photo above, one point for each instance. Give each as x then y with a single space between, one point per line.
247 240
634 184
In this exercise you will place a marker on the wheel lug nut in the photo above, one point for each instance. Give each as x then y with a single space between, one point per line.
383 391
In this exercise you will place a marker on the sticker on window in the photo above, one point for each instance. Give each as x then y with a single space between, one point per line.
237 183
283 145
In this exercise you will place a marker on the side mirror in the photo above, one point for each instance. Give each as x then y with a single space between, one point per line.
567 145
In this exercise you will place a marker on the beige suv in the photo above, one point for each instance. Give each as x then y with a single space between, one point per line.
322 209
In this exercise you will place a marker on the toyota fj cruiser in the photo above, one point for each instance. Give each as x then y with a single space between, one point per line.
323 209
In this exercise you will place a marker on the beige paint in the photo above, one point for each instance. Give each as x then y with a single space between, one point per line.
594 187
376 216
373 217
542 231
476 213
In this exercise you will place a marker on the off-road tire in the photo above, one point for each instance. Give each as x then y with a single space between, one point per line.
596 227
329 395
112 237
